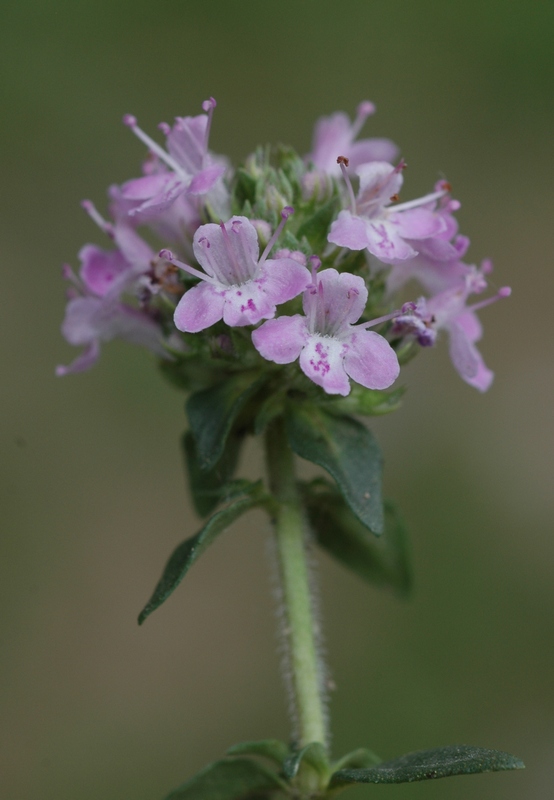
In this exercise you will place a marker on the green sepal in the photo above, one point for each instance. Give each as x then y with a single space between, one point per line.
273 749
212 413
440 762
209 488
313 754
232 779
368 402
348 451
357 759
316 227
384 561
245 188
184 556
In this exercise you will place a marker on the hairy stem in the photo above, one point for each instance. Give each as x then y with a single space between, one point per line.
305 669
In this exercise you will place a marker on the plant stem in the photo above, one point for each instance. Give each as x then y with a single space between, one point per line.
305 669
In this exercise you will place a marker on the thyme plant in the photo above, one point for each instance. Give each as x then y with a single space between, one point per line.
273 305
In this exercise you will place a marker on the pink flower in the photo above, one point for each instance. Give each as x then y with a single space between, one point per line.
192 170
335 135
330 347
237 285
448 310
95 312
438 263
385 232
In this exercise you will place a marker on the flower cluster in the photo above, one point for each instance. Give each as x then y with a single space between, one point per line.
284 259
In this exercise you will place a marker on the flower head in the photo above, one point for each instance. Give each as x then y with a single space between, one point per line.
237 285
95 312
330 347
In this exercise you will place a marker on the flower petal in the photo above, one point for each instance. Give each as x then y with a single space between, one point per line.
384 242
283 279
199 308
204 180
463 353
370 360
100 269
281 340
321 361
84 361
367 150
418 223
349 231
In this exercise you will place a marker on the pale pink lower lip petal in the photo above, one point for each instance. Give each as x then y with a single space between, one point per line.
370 360
199 308
281 340
321 361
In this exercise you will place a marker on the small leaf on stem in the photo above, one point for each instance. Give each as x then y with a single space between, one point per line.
233 779
187 552
383 561
440 762
348 451
212 413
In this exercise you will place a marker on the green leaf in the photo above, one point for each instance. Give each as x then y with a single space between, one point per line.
210 487
184 556
237 779
383 561
357 759
213 411
348 451
268 748
316 227
441 762
313 754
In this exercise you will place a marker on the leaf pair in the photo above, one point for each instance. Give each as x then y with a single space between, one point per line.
246 779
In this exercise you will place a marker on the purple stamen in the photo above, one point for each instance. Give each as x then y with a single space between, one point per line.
505 291
131 122
364 110
96 217
208 106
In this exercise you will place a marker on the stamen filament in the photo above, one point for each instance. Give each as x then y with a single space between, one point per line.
208 106
97 217
505 291
420 201
131 122
364 110
168 256
342 161
379 320
285 214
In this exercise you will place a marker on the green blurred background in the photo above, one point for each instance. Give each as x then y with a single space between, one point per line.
93 496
